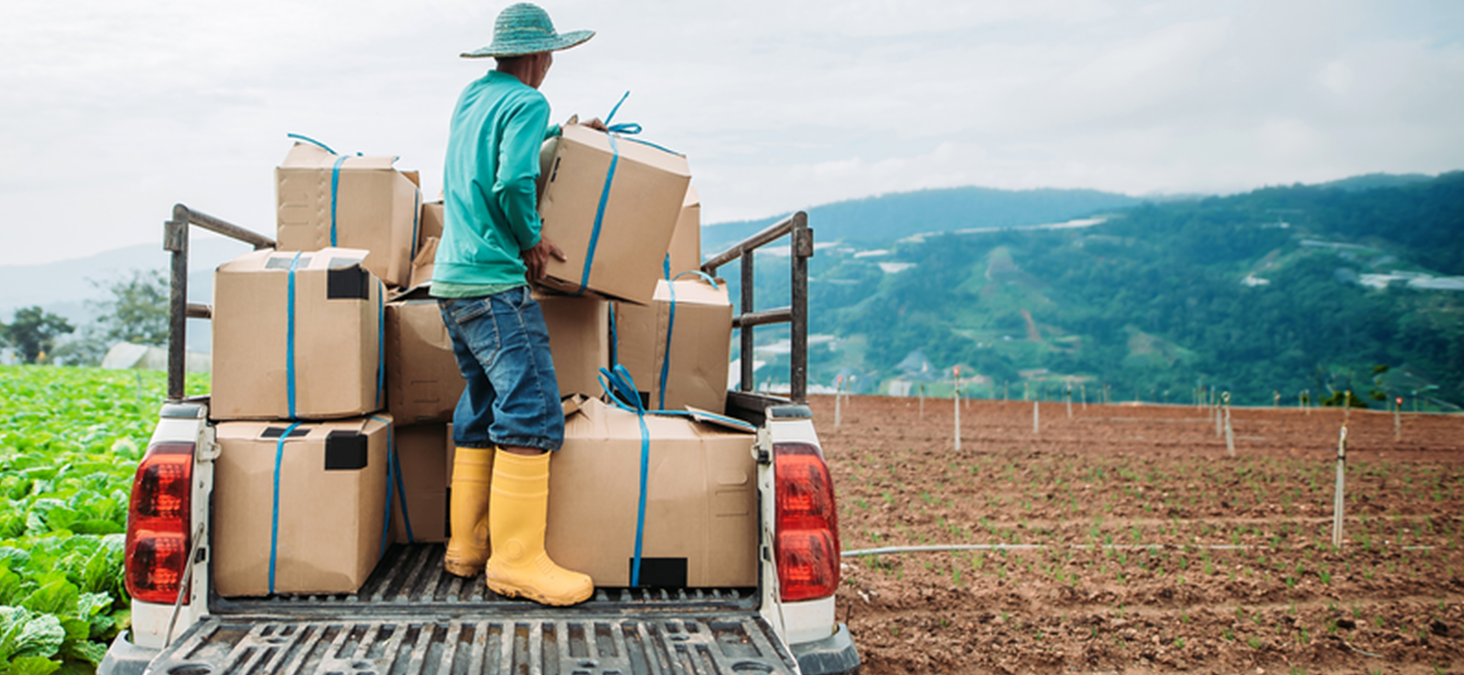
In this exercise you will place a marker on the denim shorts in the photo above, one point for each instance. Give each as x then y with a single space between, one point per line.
502 348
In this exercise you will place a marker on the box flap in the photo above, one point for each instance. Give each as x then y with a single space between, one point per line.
311 156
573 404
270 259
713 419
630 147
693 289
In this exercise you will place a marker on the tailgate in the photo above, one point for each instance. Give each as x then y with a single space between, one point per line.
580 644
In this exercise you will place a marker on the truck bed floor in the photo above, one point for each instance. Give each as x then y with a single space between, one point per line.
410 581
411 617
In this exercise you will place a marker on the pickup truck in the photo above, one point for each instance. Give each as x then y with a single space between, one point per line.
412 617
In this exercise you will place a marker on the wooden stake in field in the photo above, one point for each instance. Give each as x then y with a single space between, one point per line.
1035 425
1337 500
956 394
1070 400
838 394
1229 433
922 401
1219 421
1397 422
1277 403
1083 392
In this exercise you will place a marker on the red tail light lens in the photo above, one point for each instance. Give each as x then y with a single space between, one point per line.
807 544
158 523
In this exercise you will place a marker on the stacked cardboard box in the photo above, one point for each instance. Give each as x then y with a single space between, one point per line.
701 500
685 335
329 200
298 507
333 368
615 233
296 336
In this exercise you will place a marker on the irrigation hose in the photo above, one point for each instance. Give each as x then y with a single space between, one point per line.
887 550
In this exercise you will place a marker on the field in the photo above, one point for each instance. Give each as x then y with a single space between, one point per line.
1126 539
70 439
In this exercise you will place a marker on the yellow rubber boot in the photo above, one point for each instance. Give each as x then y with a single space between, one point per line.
467 550
519 507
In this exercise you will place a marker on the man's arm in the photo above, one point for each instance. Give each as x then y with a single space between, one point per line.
518 168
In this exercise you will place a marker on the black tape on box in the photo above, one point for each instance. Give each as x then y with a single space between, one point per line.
345 451
660 572
347 283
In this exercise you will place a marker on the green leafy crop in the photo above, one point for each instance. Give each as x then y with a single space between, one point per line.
70 441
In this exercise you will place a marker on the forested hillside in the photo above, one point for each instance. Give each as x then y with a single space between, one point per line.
895 216
1281 290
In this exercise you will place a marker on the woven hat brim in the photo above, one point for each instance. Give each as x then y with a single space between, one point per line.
560 42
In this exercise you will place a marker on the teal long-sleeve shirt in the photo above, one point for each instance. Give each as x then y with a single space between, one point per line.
489 194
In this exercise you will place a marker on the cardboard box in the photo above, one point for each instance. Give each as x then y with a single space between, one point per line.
423 381
331 504
423 266
700 339
685 249
431 223
701 501
644 203
579 340
321 343
326 200
422 459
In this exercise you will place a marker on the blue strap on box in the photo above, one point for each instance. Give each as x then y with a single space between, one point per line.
671 323
620 390
380 340
290 338
312 141
335 183
274 516
614 339
394 474
612 131
416 219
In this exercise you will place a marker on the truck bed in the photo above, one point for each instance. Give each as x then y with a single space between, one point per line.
412 617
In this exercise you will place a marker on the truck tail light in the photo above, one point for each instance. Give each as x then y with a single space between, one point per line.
159 519
807 544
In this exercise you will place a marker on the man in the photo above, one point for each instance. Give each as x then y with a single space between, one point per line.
509 419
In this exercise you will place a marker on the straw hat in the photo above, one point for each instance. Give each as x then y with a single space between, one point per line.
525 28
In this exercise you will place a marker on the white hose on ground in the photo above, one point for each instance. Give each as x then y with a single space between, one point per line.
1033 547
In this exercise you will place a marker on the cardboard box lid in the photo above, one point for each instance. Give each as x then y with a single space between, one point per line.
315 430
311 156
630 148
693 290
595 418
270 260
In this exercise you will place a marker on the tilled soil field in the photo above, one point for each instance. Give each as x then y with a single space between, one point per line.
1127 539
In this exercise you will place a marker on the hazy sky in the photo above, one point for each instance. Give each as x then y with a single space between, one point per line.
112 111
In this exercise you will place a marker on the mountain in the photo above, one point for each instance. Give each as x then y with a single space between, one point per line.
66 287
1372 181
896 216
1274 291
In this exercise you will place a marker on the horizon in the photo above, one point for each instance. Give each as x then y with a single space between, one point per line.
1168 197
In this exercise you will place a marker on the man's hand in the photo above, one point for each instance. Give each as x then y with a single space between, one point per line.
596 124
537 258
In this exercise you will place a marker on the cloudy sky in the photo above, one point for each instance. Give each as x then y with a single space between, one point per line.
112 111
